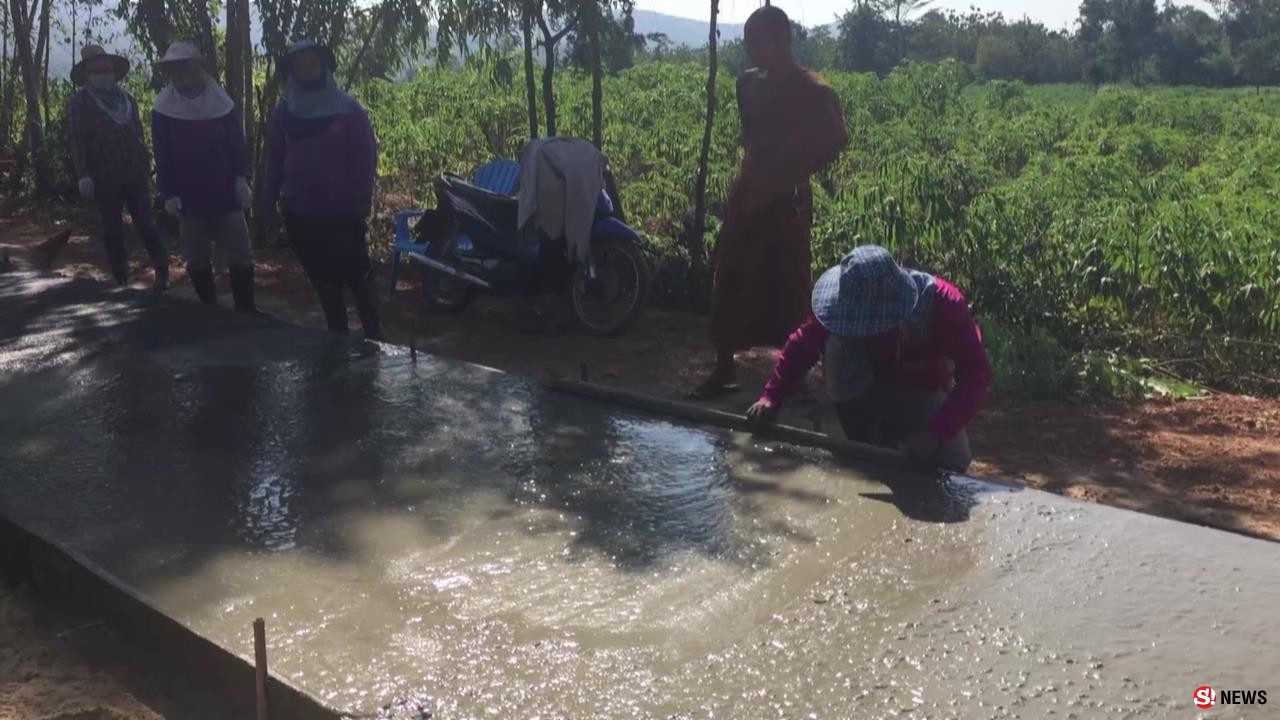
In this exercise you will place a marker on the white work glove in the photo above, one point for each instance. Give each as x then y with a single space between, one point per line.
173 205
244 193
86 188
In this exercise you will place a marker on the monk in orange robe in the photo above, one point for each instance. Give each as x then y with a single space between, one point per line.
792 126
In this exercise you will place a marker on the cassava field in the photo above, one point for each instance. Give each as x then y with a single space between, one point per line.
1114 240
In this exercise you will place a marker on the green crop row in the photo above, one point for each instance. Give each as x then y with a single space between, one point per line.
1145 222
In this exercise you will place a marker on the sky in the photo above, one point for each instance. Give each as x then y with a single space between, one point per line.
1056 14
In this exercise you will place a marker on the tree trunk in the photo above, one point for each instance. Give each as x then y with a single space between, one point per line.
548 76
530 83
22 27
246 57
239 82
266 103
155 18
235 57
208 43
696 244
597 73
43 58
6 87
549 42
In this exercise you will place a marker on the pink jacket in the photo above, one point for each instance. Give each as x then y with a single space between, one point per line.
953 337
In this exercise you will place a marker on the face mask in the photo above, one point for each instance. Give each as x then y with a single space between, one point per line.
190 89
101 81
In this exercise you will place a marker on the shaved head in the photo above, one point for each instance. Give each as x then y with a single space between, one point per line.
769 20
768 38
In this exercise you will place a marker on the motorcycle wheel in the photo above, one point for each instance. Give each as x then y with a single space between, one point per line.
441 289
608 304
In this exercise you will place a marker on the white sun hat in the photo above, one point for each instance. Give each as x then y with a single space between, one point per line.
183 51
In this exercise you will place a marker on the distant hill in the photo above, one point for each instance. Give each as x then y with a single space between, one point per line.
683 31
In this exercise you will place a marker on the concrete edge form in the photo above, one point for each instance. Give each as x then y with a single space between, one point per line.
69 578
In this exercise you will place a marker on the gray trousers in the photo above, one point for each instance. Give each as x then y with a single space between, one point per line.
886 416
229 231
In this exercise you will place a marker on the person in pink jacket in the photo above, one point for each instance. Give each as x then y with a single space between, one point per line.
903 358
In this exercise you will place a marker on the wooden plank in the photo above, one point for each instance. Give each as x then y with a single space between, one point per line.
729 421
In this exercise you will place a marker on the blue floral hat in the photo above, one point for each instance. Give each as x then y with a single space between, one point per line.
865 295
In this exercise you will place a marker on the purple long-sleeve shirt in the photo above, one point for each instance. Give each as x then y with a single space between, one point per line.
198 161
324 174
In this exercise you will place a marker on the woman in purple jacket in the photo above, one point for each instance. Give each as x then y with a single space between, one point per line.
202 168
322 159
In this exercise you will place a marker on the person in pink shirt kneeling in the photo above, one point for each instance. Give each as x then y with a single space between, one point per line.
903 358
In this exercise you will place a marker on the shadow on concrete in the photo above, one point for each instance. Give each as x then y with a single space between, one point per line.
929 500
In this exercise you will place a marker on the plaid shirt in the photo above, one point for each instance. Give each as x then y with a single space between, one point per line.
104 150
923 359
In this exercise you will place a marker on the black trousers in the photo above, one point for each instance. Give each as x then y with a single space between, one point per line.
886 416
334 252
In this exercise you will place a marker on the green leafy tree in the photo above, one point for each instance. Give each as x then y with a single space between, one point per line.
942 35
620 45
1119 33
998 59
154 24
899 11
867 40
392 34
816 48
1253 29
1187 43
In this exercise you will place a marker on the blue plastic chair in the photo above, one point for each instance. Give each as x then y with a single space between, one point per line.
499 176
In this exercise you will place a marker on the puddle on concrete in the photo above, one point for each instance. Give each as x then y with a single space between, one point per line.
444 537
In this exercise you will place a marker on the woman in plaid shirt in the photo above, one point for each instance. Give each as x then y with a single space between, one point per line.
111 159
904 360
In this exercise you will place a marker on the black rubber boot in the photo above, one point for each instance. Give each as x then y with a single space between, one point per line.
242 289
121 275
202 281
161 284
333 301
366 294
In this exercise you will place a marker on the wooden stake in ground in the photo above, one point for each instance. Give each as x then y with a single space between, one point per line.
260 666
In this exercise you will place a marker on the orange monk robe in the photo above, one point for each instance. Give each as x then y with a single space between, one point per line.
792 126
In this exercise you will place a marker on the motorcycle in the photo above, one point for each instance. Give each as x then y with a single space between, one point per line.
473 245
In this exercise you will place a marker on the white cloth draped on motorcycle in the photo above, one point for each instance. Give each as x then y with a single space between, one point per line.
560 181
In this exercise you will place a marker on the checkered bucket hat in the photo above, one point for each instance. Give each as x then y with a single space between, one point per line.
865 295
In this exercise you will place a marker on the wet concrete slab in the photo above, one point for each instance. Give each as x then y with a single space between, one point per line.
437 536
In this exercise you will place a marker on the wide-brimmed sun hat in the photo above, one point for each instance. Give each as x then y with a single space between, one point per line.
866 294
119 64
303 46
183 51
